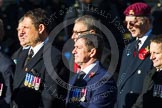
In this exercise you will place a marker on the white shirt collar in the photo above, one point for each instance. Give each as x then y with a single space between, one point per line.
38 47
159 69
142 39
88 68
26 47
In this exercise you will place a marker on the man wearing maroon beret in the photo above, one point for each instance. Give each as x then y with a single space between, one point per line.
135 59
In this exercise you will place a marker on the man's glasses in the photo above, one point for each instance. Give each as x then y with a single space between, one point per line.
131 23
80 32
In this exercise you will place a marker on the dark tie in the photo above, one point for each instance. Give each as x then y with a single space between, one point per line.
81 74
138 42
79 81
136 47
30 54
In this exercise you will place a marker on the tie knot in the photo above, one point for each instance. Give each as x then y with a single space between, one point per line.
138 42
81 74
31 53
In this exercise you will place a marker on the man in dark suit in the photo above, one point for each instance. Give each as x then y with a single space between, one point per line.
135 59
6 76
93 86
33 85
151 96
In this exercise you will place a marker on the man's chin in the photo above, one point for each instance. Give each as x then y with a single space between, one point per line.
78 63
157 67
134 35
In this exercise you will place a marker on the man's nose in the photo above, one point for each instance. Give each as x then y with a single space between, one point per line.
73 52
152 57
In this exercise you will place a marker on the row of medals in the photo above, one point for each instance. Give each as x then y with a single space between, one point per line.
32 81
157 91
78 95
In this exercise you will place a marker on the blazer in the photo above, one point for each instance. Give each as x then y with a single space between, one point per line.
98 90
17 53
49 90
147 86
131 75
6 78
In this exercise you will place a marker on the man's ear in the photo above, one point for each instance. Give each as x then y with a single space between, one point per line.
41 28
92 52
92 31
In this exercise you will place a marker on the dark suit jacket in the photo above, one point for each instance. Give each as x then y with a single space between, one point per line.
147 86
6 77
131 75
46 96
101 90
16 54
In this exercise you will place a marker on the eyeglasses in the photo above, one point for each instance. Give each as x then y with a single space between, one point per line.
80 32
131 23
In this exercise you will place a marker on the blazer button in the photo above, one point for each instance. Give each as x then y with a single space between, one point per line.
121 91
131 92
139 72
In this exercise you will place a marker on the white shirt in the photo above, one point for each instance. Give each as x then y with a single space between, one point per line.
38 47
88 68
142 39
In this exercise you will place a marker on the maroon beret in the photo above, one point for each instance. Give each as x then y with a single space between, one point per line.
138 9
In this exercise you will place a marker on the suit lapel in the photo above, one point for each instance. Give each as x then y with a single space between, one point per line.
128 54
93 70
74 80
22 71
71 86
18 73
135 63
34 60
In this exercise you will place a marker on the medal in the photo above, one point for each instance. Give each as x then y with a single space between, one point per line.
84 92
34 81
37 84
1 88
27 77
73 96
73 99
160 91
155 90
128 52
78 95
82 99
30 81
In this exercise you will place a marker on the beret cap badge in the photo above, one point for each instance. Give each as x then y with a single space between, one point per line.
131 12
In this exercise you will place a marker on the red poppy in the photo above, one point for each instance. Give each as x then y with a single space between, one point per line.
91 74
143 53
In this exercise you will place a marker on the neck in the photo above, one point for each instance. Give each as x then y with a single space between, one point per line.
84 65
41 39
158 69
